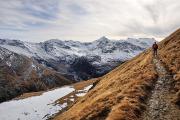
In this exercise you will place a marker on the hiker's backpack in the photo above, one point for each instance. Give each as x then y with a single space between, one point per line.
155 46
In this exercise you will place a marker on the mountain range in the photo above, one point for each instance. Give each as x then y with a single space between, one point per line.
31 67
144 87
67 57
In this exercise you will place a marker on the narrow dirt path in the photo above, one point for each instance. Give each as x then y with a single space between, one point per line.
159 105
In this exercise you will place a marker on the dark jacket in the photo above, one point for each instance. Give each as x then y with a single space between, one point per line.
155 46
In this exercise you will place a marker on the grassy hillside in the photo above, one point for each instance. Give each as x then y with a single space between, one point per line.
122 93
170 56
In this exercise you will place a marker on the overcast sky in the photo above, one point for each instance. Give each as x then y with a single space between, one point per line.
87 20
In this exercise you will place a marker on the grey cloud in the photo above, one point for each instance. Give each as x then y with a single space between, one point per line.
87 19
153 12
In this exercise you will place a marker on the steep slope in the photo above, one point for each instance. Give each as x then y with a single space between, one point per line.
164 102
19 74
170 56
103 54
124 93
159 105
119 94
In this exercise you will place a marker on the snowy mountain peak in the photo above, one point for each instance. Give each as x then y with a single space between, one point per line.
52 41
142 42
60 55
102 39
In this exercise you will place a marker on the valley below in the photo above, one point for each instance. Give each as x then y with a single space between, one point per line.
43 105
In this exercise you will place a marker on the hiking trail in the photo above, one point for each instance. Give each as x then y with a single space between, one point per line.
159 105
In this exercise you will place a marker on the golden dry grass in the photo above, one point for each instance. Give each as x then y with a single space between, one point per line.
122 93
170 56
77 86
27 95
81 85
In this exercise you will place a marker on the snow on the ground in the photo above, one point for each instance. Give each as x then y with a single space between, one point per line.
34 108
80 94
84 91
87 88
37 107
17 49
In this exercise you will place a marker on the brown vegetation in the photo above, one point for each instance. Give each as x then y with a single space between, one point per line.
119 94
27 95
122 93
77 86
170 56
25 75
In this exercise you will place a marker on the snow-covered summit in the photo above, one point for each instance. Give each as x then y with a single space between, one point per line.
61 54
54 48
103 39
142 42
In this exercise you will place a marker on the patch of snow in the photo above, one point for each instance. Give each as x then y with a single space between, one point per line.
34 108
88 87
80 94
33 65
8 63
18 50
142 42
84 91
72 99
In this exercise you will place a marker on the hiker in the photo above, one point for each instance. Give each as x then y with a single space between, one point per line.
155 48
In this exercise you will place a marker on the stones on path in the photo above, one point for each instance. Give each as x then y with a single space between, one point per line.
159 106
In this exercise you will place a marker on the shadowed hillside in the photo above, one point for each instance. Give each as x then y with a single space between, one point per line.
124 93
19 74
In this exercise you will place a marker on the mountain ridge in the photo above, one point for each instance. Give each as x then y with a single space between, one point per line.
19 74
104 54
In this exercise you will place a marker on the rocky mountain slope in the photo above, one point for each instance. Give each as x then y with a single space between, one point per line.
101 55
144 88
19 74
